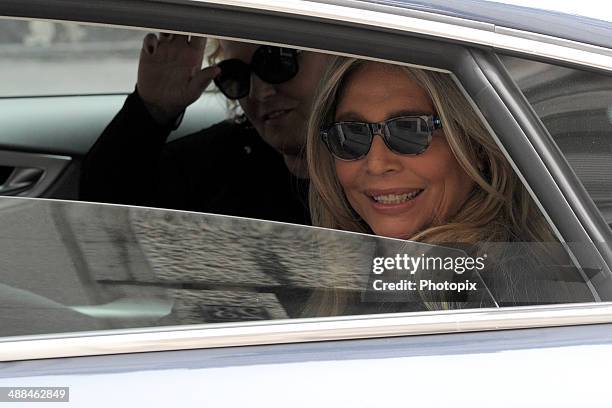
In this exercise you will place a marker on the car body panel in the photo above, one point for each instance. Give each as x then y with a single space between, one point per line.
257 17
539 366
551 367
580 29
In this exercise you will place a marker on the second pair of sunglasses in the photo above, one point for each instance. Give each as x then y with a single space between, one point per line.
273 65
406 135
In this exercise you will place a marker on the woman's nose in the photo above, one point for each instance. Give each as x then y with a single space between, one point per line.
260 90
380 160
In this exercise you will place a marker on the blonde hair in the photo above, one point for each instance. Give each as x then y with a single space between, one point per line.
214 55
214 51
499 209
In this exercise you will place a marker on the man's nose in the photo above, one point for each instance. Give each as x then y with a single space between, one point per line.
380 160
260 90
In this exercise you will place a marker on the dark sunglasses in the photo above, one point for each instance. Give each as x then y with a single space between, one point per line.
406 135
273 65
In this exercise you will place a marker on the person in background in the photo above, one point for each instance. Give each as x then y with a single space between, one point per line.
252 165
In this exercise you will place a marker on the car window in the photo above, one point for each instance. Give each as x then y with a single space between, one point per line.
58 58
241 206
70 267
576 108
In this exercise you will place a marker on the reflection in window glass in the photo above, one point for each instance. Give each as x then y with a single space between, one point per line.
103 267
576 108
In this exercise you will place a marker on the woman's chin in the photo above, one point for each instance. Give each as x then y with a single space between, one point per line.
395 232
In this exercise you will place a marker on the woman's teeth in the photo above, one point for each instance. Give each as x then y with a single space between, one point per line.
396 198
275 114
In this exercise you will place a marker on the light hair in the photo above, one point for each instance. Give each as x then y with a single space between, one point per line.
499 209
214 51
214 55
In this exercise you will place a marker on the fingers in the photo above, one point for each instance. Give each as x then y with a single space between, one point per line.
198 43
177 40
176 46
202 78
174 52
166 37
149 44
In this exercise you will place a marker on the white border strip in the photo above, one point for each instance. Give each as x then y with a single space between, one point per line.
300 330
508 39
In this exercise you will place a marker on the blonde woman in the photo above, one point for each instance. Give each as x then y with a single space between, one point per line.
399 152
253 167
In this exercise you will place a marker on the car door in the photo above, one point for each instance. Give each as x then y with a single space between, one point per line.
98 262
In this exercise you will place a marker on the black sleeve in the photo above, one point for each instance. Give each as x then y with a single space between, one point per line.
123 165
191 169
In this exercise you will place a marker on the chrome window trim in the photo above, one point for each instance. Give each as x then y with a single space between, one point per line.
431 25
296 331
415 21
542 38
300 331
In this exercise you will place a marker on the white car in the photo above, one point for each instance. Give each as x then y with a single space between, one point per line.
121 305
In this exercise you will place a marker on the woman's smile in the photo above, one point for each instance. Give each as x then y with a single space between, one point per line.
393 199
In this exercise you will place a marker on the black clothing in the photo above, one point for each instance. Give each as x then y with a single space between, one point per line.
225 169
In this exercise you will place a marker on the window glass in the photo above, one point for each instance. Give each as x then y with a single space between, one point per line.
70 267
228 206
59 58
576 108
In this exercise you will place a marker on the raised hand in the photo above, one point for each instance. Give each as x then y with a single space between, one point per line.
170 77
